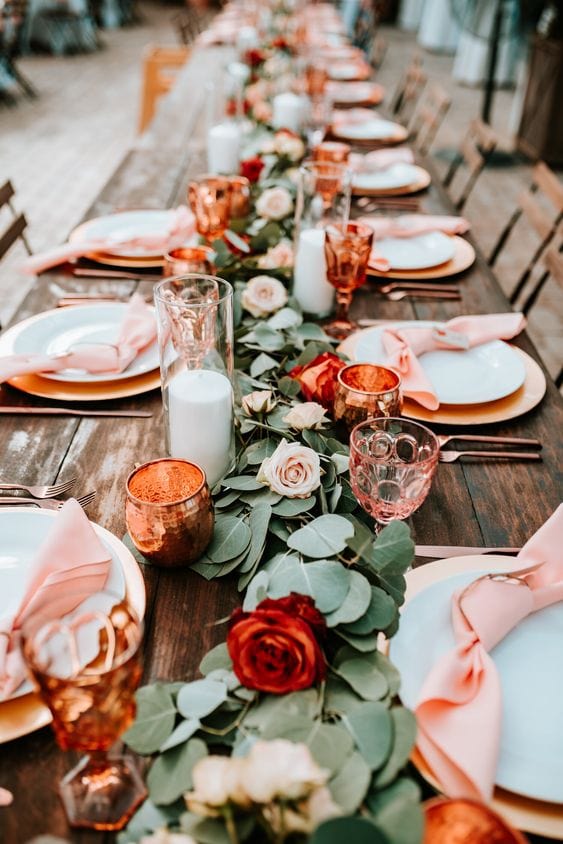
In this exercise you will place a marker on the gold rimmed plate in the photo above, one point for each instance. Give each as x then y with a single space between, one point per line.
356 94
464 257
35 385
420 180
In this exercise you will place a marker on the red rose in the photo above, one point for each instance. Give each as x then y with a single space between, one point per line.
254 58
251 168
275 648
318 378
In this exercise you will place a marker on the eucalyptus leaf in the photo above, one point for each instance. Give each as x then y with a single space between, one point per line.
355 603
379 663
324 536
256 592
268 338
394 549
200 697
403 788
349 830
372 728
349 786
146 819
339 697
272 709
315 440
404 735
402 821
291 507
245 483
364 644
262 363
261 496
226 500
312 331
341 462
289 387
326 581
379 614
363 678
335 498
230 538
181 733
155 719
280 529
258 522
257 452
285 318
171 773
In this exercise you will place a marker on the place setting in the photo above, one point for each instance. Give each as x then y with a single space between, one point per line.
364 127
355 94
387 173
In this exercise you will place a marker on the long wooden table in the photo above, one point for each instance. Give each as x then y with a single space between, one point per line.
470 504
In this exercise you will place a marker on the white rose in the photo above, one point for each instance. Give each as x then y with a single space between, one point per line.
260 401
280 769
293 470
263 295
280 255
216 781
289 145
307 815
309 414
163 836
275 204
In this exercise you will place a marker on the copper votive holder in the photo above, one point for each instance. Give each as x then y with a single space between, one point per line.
169 511
210 200
464 821
240 197
189 259
366 391
333 151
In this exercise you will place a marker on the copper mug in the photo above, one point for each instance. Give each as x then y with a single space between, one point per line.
366 391
169 511
240 197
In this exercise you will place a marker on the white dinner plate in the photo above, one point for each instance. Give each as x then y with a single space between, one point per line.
370 130
397 175
528 661
345 72
481 374
63 328
417 253
126 225
353 92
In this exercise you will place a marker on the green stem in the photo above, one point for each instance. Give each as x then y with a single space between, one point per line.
230 824
276 430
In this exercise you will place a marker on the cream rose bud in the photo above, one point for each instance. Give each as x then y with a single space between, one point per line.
217 780
280 769
263 295
293 470
289 145
280 255
262 111
274 204
260 401
309 414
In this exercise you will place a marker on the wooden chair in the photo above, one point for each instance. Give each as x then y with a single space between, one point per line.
408 91
553 262
475 149
160 68
546 185
17 224
378 51
188 24
428 117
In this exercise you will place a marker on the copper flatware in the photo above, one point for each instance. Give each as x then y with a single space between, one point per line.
71 411
46 503
452 456
44 491
398 295
446 551
90 272
443 439
416 285
94 299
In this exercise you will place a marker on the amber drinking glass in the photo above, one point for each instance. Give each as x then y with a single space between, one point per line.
189 259
332 151
210 200
347 250
87 668
392 463
240 197
366 391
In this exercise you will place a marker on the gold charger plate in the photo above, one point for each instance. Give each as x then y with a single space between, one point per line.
464 258
524 399
375 98
524 813
27 713
401 134
85 391
130 263
423 179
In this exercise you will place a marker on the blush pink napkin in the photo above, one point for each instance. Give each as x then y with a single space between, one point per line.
460 706
379 159
71 565
353 116
404 345
180 227
138 330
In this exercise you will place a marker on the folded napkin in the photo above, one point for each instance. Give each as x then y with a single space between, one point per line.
353 116
181 226
71 565
404 345
138 330
379 159
460 707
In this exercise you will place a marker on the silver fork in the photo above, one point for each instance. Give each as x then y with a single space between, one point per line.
443 439
417 285
42 491
47 503
397 295
452 456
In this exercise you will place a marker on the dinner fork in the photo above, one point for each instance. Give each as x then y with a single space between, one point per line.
48 503
42 491
443 439
397 295
452 456
417 285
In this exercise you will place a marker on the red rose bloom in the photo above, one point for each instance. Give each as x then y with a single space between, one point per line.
318 378
254 58
275 648
251 168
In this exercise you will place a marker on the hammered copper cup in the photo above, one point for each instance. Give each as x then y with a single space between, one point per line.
366 391
240 197
189 259
332 151
210 200
169 511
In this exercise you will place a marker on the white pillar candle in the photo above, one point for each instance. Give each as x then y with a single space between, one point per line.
310 287
288 112
247 38
200 420
223 148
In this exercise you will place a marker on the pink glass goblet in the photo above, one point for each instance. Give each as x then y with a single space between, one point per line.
347 251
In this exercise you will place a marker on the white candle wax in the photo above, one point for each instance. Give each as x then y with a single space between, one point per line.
223 148
200 420
288 111
310 287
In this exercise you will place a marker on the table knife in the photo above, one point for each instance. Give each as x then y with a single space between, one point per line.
445 551
70 411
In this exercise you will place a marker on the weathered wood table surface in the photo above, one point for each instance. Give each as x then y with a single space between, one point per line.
496 503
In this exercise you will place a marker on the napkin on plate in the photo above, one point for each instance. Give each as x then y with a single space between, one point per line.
404 345
181 226
353 116
409 225
460 706
379 159
138 330
71 565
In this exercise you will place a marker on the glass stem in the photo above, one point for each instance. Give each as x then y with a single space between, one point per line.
343 302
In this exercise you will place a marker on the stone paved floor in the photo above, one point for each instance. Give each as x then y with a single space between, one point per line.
60 149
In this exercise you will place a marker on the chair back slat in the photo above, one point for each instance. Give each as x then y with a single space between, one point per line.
160 68
409 89
475 148
553 260
536 216
549 184
428 117
17 225
6 193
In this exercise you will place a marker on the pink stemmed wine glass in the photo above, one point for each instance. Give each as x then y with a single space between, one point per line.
392 463
347 250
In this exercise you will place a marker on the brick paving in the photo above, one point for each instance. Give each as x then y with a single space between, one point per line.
61 148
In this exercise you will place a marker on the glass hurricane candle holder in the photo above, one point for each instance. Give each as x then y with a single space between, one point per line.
366 391
210 200
169 511
347 249
195 336
392 463
189 259
87 668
